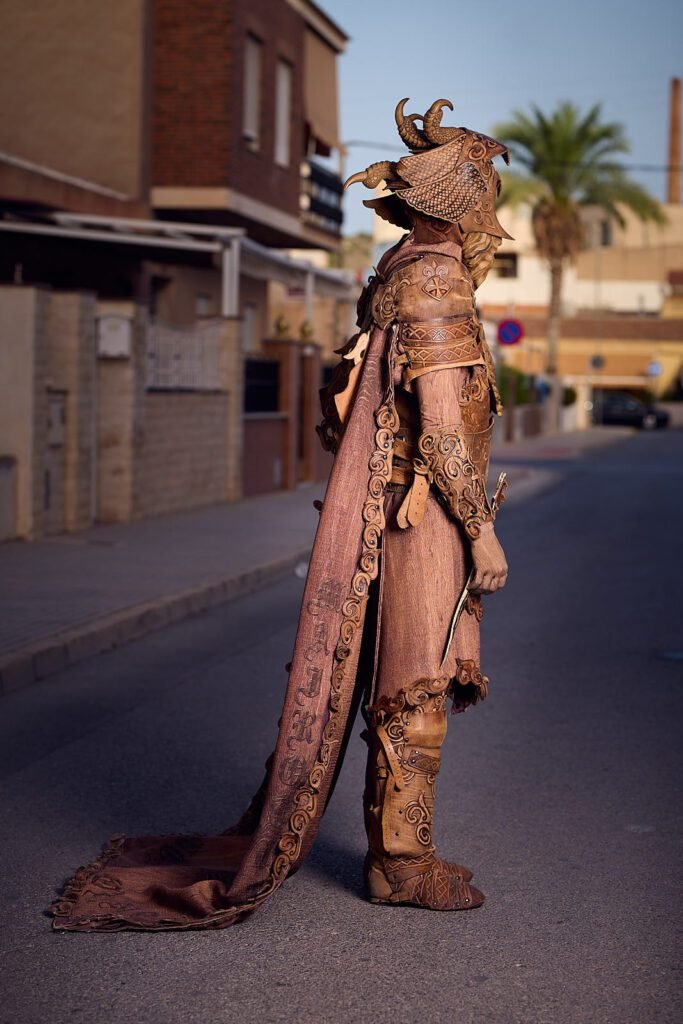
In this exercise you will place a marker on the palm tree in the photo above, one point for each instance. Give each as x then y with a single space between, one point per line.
569 160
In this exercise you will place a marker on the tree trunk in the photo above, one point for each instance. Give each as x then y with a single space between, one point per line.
554 317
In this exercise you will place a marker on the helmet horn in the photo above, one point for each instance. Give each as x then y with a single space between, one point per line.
373 174
410 134
432 124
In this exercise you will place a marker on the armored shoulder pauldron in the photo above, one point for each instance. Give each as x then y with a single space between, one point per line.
430 287
429 295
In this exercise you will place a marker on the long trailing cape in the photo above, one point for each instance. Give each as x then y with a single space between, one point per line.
184 882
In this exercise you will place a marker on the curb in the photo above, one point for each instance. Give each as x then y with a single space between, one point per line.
54 653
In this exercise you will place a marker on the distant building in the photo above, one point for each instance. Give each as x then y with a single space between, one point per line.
618 330
619 270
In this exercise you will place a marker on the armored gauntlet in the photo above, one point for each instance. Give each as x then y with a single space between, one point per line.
444 459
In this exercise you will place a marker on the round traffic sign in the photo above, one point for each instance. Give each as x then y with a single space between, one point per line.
654 368
510 332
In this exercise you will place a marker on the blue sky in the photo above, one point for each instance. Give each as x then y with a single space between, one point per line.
492 56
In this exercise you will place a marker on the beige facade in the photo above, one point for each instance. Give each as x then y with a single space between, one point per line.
76 72
331 323
82 439
627 275
23 403
119 399
186 295
636 252
625 360
47 409
71 373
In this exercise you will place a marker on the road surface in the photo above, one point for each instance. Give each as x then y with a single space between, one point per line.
562 791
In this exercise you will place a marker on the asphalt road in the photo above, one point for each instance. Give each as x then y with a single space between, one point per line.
562 791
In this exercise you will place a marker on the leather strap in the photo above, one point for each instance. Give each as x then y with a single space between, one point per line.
412 510
391 756
402 872
405 449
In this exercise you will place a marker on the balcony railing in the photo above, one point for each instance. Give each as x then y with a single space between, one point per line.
321 197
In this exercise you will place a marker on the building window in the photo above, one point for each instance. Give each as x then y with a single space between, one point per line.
505 265
283 106
606 233
253 64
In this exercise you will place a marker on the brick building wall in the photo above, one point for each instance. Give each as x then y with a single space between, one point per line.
281 31
198 97
181 455
192 109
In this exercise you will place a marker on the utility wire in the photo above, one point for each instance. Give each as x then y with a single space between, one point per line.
395 148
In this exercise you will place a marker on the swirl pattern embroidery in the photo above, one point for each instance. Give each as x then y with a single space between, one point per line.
417 813
289 846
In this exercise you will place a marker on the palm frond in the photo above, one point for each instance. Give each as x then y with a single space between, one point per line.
615 190
520 188
571 155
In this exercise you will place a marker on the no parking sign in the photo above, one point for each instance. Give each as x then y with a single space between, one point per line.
510 332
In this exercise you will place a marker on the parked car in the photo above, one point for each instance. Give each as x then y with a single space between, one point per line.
619 408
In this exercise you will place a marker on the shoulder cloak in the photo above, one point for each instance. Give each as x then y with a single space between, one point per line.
196 882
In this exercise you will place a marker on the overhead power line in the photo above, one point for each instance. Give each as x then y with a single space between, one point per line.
395 148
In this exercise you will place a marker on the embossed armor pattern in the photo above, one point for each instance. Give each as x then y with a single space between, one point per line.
446 461
436 346
404 759
425 289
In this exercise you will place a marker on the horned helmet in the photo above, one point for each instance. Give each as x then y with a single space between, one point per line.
449 175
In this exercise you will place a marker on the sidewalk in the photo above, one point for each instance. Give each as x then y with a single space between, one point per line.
75 595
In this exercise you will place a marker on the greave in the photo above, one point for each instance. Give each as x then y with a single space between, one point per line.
404 758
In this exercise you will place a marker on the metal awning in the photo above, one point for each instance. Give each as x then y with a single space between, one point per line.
238 255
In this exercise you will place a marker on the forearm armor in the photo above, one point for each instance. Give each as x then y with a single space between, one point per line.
445 460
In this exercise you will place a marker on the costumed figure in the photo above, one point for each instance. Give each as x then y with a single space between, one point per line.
390 614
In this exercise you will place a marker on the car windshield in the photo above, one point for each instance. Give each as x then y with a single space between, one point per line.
624 402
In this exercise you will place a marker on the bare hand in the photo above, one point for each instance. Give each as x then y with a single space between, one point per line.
490 566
